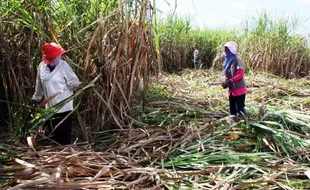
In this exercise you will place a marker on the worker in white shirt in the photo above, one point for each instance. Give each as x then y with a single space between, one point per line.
55 75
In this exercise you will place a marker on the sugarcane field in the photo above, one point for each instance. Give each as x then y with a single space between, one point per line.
133 94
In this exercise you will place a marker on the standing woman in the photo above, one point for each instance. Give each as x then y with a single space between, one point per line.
55 75
234 79
196 57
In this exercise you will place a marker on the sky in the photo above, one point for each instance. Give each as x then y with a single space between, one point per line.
231 13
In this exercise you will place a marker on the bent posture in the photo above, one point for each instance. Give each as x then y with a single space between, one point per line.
55 75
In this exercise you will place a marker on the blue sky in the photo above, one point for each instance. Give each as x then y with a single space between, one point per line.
231 13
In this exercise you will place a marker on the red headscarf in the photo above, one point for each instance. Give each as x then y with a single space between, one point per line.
51 51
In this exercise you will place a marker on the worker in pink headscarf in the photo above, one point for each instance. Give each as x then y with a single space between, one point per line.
233 70
55 75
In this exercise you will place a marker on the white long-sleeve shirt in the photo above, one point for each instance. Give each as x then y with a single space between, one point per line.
61 79
196 55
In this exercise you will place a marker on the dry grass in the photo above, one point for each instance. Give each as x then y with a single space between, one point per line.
152 158
75 167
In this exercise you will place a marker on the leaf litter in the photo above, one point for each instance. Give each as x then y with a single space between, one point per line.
175 144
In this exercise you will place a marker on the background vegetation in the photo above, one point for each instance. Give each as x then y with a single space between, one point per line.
267 43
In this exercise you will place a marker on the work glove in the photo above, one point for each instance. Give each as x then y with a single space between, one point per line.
33 103
227 83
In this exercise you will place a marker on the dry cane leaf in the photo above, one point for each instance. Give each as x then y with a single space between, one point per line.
58 175
133 183
22 162
103 171
307 173
26 172
26 184
32 142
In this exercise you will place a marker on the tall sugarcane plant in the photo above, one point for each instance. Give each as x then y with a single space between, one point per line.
113 39
267 42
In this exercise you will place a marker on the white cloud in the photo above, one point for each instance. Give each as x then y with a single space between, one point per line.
303 1
238 4
184 10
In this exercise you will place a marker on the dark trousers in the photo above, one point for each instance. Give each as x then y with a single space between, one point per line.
62 134
196 64
237 104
